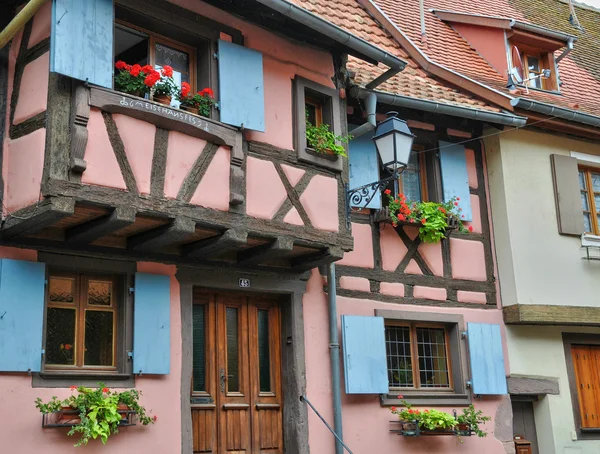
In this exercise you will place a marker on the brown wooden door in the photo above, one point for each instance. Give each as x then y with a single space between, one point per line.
236 389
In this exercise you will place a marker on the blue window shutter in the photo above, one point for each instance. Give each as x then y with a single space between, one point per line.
488 375
364 165
241 86
81 43
455 179
21 315
152 322
365 363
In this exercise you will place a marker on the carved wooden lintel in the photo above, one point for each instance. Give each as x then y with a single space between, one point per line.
80 115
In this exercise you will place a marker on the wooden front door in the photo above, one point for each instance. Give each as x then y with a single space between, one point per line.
236 387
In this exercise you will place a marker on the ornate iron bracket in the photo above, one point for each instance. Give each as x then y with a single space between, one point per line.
361 197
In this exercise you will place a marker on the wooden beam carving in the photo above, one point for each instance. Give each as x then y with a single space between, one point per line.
230 239
324 257
257 254
178 230
79 134
37 217
97 228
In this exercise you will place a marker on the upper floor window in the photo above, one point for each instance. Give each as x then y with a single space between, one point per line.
533 67
413 179
589 186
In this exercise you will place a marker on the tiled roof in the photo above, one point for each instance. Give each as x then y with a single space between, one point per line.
579 72
413 81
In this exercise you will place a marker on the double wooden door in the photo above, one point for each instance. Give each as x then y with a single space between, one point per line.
236 387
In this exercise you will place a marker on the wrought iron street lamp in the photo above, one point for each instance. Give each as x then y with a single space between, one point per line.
393 141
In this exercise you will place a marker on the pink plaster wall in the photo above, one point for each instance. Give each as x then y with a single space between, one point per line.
41 24
320 200
429 293
33 93
21 431
265 192
366 422
471 168
432 254
468 259
213 190
293 174
391 289
464 296
138 139
24 162
362 255
488 42
182 152
293 217
355 283
476 213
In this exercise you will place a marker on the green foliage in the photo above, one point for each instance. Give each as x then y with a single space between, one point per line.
134 85
202 103
98 411
165 86
473 418
431 217
321 139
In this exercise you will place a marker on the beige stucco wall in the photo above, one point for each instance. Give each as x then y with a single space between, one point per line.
536 264
536 350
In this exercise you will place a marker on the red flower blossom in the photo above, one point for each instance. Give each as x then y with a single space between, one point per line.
401 217
207 92
68 346
470 228
463 216
400 397
135 70
426 411
393 408
155 417
121 65
147 69
152 78
167 71
423 221
458 198
411 411
455 204
185 89
105 390
387 192
73 388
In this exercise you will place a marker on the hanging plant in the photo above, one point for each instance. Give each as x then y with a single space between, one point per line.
432 218
322 140
200 103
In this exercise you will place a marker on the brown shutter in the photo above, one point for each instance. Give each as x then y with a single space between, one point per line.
586 378
569 211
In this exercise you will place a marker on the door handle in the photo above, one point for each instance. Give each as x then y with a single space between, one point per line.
223 378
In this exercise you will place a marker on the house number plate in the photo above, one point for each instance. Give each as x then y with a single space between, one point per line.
244 283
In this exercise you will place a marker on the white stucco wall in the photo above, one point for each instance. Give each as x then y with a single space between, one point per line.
536 264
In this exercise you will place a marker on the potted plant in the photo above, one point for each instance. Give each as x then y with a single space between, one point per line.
435 220
94 412
200 103
135 79
323 141
164 86
471 418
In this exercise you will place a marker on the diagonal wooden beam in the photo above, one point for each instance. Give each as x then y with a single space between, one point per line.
316 259
37 217
412 252
192 180
293 195
257 254
179 229
229 239
97 228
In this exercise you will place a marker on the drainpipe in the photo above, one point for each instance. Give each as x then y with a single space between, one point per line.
566 51
334 353
371 107
19 21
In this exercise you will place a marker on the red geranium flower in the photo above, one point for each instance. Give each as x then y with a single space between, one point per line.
152 78
207 92
155 417
393 408
458 198
455 204
185 89
121 65
135 70
73 388
147 69
387 192
470 228
68 346
463 216
423 221
401 217
105 390
167 71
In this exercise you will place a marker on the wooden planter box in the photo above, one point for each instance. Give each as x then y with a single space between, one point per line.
69 417
383 215
412 429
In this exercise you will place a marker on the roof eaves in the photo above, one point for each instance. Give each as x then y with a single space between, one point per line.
473 19
544 31
557 112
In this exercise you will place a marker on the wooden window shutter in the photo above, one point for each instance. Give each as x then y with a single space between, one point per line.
81 42
365 363
486 356
151 327
241 86
364 165
586 377
21 315
569 212
455 179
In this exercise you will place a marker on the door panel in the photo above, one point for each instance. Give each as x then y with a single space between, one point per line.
524 423
236 386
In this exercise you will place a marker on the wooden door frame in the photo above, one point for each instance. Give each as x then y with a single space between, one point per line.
293 364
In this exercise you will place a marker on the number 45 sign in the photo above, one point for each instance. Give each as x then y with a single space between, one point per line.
244 283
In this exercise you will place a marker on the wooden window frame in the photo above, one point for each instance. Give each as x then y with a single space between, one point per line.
456 349
415 357
154 37
121 375
589 189
546 61
569 340
423 177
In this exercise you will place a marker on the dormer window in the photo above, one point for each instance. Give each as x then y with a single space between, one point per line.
532 67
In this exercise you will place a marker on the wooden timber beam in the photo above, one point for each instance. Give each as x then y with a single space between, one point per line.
97 228
547 314
323 257
230 239
37 217
179 229
275 249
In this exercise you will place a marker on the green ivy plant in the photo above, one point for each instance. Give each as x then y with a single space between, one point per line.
98 411
322 140
431 217
473 418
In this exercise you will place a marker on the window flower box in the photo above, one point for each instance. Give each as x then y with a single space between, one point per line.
69 417
383 216
412 429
